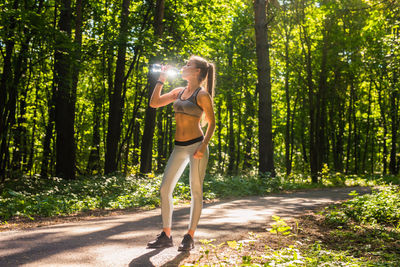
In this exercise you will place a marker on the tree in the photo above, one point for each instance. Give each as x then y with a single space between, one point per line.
64 99
150 116
116 100
266 152
7 95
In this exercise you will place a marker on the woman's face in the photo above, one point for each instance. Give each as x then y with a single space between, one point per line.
190 70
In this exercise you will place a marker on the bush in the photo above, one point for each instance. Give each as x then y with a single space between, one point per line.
382 206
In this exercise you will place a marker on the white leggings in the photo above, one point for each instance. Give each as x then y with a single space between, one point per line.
177 162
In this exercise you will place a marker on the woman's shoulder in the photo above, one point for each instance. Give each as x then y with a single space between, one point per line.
203 97
203 93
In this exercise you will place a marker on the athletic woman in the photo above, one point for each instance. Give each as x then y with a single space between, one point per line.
191 145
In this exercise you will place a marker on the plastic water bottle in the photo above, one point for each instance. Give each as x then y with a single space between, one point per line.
171 72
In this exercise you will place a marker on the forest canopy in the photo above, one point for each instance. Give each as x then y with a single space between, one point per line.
75 84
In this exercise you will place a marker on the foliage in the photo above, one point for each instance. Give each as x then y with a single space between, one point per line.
352 70
60 197
279 227
245 253
380 207
315 243
54 196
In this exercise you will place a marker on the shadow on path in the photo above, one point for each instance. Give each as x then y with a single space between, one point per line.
91 240
177 260
144 260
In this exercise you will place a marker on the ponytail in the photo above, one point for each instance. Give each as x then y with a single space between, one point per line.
211 79
207 73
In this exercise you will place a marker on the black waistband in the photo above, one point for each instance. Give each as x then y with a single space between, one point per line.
189 142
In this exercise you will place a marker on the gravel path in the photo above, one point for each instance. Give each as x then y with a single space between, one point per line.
121 240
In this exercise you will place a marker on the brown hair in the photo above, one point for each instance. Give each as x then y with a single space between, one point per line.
207 73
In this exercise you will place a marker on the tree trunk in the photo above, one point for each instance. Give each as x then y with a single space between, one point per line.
64 103
382 107
249 128
219 134
20 132
5 93
239 132
288 162
367 132
160 140
150 115
350 132
336 123
115 110
320 121
231 136
312 110
266 152
394 111
94 154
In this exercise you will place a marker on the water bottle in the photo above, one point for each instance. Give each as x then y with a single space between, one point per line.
171 72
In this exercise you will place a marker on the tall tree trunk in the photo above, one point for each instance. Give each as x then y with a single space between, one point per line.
116 101
239 133
266 151
382 107
321 102
394 112
356 138
64 103
150 115
373 148
350 132
303 125
94 154
29 166
367 131
337 123
231 135
94 164
48 134
249 128
6 93
313 109
160 140
288 162
219 134
20 131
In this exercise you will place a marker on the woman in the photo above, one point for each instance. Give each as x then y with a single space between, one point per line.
190 103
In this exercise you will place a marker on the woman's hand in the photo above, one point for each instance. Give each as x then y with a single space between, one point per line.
200 151
163 73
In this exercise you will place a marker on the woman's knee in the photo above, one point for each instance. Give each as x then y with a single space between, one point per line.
197 195
165 191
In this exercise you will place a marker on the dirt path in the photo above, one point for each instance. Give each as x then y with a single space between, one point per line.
121 240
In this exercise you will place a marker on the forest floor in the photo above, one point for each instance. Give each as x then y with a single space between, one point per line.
119 239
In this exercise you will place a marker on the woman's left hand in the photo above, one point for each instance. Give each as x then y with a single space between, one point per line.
200 151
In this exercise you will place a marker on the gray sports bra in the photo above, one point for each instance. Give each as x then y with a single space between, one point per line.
188 106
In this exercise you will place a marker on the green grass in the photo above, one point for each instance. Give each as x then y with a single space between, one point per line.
363 231
382 207
35 197
50 197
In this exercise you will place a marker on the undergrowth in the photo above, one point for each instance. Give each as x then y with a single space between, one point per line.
363 231
32 197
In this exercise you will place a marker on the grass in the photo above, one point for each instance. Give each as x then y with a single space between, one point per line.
363 231
318 239
33 197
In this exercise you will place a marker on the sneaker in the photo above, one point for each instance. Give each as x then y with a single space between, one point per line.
162 241
187 243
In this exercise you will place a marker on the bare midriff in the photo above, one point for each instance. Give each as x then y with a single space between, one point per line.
187 127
